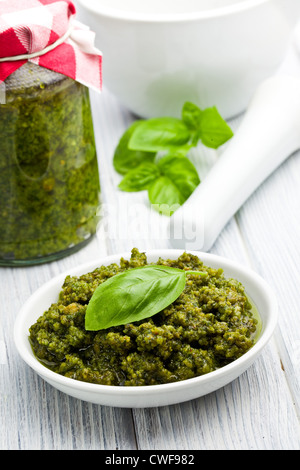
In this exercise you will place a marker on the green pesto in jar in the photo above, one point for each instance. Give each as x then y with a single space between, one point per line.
49 182
211 324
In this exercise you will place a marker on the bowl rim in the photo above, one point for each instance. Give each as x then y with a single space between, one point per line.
26 353
133 16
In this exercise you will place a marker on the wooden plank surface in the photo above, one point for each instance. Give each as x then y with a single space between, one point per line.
259 410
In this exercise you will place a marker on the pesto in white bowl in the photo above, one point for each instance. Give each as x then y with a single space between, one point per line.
154 371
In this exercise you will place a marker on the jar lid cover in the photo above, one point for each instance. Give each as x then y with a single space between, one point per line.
46 33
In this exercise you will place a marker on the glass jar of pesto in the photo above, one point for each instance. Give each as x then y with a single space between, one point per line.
49 180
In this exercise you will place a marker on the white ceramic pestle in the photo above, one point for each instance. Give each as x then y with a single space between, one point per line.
268 134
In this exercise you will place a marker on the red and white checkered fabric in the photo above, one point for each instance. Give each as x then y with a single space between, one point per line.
30 26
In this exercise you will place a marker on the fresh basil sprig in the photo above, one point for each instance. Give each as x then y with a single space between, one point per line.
170 180
179 135
134 295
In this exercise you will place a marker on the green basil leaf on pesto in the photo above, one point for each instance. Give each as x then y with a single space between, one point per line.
159 134
134 295
214 131
126 159
140 178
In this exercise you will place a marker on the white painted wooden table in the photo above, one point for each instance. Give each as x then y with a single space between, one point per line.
259 410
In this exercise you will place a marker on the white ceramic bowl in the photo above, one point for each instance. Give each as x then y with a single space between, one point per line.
153 395
157 54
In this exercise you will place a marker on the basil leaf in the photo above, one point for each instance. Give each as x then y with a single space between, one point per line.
182 173
179 179
191 116
125 159
158 134
214 131
165 196
133 295
140 178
